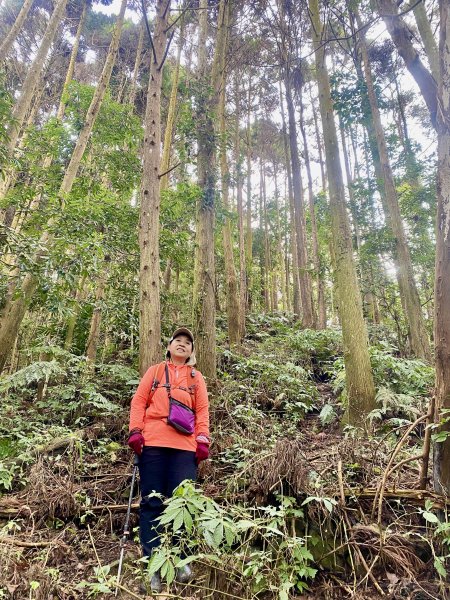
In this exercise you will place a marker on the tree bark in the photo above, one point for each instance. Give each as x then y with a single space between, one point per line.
297 188
442 287
204 310
96 319
321 320
240 209
294 253
171 111
401 36
358 371
413 311
248 229
427 36
232 292
137 63
149 272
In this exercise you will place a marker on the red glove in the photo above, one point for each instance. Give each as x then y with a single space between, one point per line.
136 441
202 452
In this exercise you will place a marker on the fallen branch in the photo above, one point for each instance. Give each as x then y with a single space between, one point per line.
15 542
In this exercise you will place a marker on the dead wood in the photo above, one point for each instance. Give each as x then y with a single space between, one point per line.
16 542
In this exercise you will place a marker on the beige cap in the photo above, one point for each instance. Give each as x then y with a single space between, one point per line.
184 331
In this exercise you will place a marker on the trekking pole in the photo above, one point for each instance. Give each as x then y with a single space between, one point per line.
126 532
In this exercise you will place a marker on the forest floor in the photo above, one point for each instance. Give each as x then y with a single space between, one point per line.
312 509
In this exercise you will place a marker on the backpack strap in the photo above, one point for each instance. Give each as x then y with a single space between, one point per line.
156 381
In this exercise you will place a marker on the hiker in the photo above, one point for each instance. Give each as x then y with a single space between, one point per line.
169 430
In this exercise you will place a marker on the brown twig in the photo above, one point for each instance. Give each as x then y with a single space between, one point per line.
427 446
396 450
368 569
15 542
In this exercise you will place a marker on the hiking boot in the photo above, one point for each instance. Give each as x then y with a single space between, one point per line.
155 583
184 574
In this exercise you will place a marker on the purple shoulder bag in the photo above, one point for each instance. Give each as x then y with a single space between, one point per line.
181 417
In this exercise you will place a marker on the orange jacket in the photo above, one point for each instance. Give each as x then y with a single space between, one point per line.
150 416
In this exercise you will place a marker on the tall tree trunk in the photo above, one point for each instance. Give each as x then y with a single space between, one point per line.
321 308
149 308
248 229
413 311
240 209
137 63
232 292
294 253
442 287
401 37
73 58
427 36
96 319
302 256
72 319
280 259
25 100
15 309
263 249
171 112
7 43
358 371
204 310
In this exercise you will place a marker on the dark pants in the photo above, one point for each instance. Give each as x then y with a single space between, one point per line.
161 470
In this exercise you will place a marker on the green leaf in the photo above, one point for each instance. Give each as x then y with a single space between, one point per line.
430 517
156 562
439 566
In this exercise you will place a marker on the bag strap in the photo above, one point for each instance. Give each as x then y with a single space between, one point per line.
167 384
156 382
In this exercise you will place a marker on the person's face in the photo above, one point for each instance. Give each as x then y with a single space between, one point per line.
180 348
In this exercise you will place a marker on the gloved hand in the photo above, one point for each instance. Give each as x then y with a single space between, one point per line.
202 452
136 441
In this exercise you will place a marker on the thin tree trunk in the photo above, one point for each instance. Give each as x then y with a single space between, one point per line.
427 36
232 292
279 264
358 371
294 253
171 111
321 320
263 249
305 281
240 208
72 320
413 311
442 287
96 319
204 310
248 230
137 63
73 58
16 308
7 43
149 307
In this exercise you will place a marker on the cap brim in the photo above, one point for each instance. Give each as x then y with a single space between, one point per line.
183 331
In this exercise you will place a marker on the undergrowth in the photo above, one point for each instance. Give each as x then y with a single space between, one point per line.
268 521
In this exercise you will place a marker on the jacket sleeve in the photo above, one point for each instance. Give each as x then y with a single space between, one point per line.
201 409
140 400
